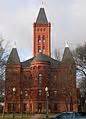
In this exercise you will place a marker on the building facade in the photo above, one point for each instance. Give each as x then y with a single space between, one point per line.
26 81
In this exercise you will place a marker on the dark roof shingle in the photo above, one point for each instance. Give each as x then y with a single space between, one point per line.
40 58
27 63
13 57
67 56
42 19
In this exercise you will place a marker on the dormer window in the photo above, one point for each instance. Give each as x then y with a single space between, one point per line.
38 29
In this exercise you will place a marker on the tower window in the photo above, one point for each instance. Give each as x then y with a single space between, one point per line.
43 50
55 77
40 80
43 38
44 29
39 50
41 29
39 39
43 47
38 29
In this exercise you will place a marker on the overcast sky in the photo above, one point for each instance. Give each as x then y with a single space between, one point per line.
67 17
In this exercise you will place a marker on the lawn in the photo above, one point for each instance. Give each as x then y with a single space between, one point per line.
15 116
24 116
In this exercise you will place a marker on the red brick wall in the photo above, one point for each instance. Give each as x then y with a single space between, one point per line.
12 80
61 82
42 30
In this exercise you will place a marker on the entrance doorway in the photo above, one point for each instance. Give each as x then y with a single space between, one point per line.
55 107
39 107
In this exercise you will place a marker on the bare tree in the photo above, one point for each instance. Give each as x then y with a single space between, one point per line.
80 58
3 58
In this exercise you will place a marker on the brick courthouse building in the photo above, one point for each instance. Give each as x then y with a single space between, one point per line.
26 81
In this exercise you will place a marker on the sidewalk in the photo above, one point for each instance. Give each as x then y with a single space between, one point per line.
37 116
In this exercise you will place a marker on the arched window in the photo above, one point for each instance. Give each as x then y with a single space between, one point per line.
41 29
43 38
43 48
40 80
39 39
44 29
39 50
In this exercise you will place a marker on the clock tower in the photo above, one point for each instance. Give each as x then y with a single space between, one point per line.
42 35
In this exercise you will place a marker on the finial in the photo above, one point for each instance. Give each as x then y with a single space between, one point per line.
66 45
42 3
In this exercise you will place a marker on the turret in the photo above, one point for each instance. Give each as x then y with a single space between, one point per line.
13 58
12 81
67 56
42 35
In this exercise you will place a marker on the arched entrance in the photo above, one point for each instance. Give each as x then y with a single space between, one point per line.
39 107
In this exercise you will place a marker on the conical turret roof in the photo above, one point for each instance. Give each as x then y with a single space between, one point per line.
13 57
67 56
42 19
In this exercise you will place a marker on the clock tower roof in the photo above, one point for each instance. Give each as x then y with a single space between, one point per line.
42 19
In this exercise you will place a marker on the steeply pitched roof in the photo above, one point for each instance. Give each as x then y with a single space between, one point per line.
41 57
67 56
27 63
44 58
42 19
13 57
